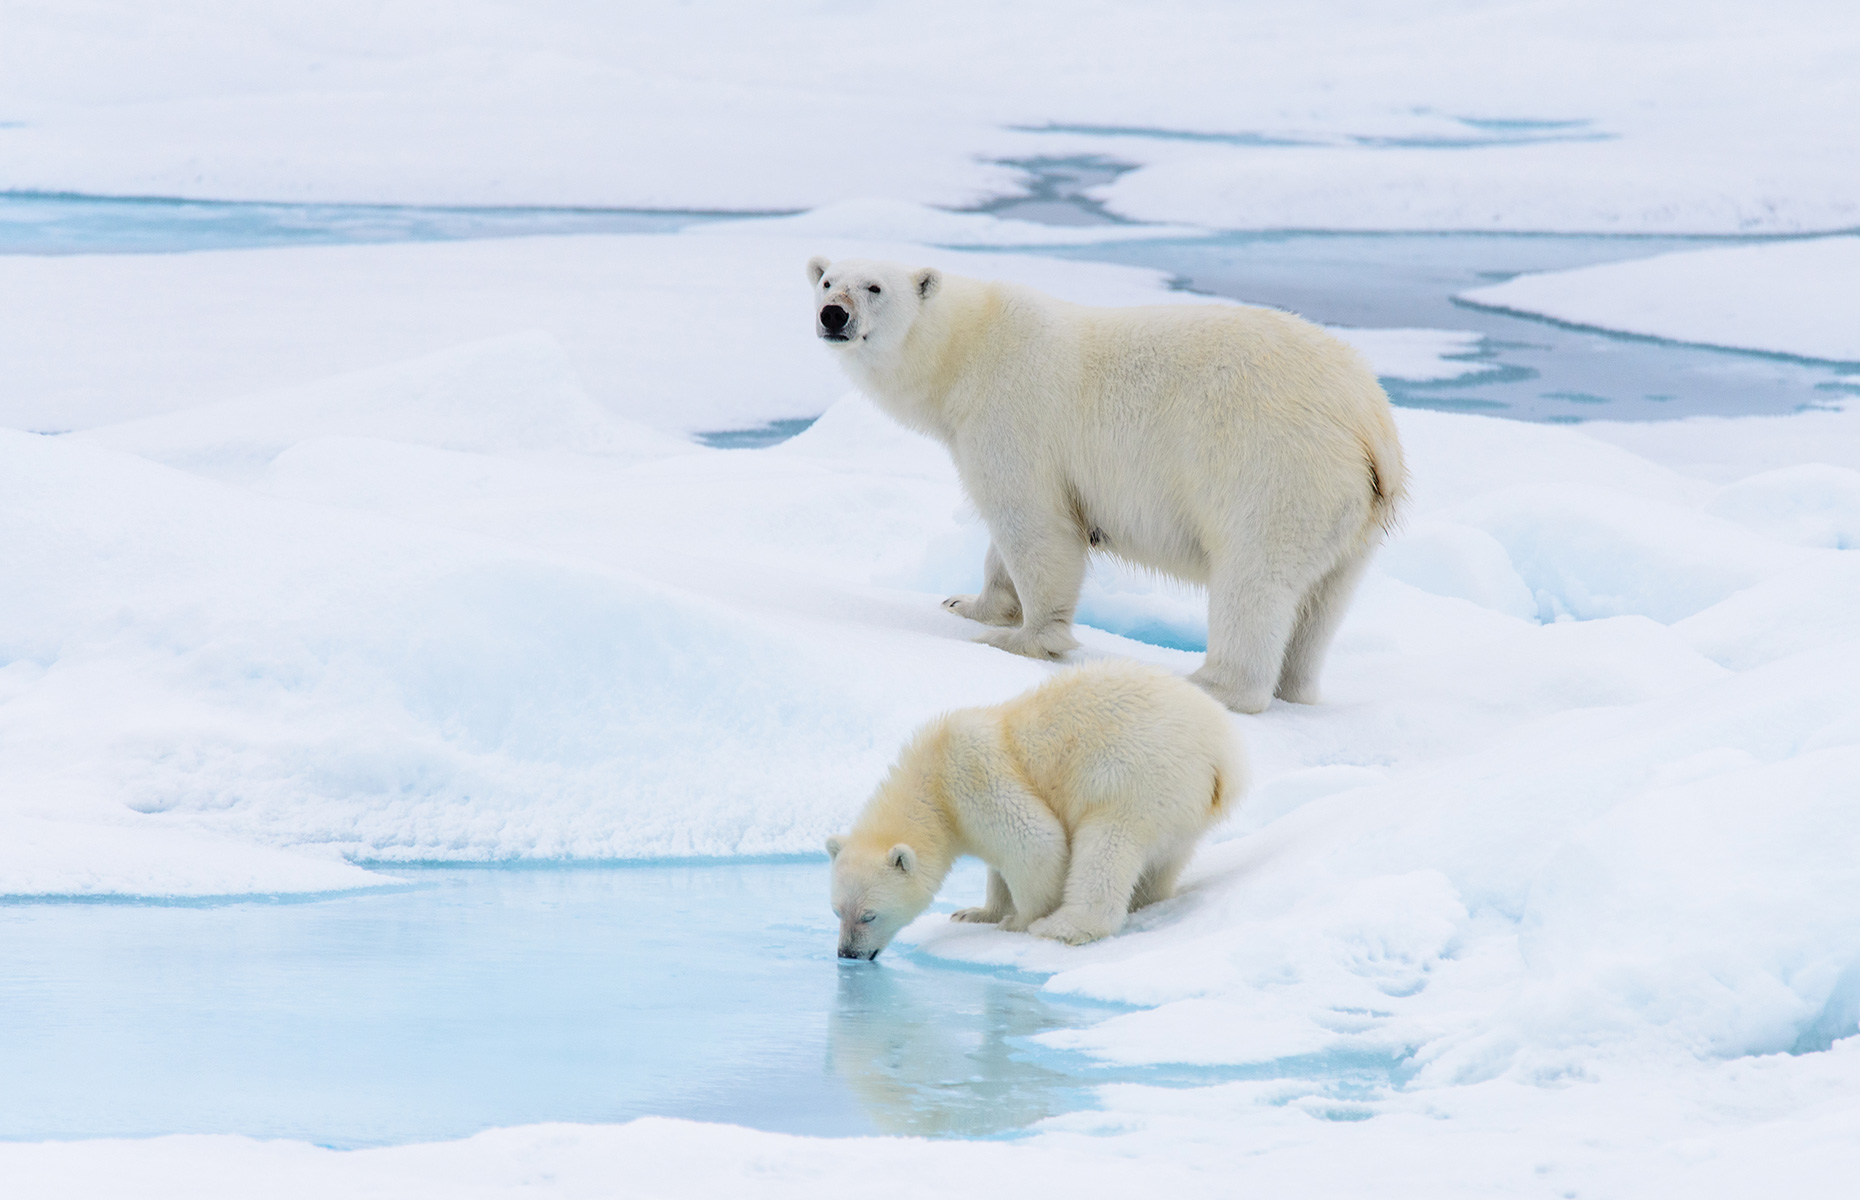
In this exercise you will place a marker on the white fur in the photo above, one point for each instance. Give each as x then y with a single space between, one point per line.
1240 448
1085 797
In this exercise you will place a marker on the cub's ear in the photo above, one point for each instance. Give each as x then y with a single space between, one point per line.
816 267
928 281
903 858
834 845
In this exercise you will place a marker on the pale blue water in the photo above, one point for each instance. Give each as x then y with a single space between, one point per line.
57 223
475 997
758 437
478 997
1529 369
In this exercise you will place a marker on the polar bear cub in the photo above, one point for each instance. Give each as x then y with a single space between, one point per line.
1085 796
1239 448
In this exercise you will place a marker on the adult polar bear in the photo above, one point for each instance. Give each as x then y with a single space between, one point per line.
1240 448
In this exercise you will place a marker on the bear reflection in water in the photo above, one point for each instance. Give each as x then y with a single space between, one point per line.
944 1053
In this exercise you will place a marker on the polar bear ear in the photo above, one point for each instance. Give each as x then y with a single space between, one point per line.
928 281
903 858
816 267
834 845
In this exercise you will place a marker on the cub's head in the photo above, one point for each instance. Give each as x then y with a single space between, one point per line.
864 305
877 890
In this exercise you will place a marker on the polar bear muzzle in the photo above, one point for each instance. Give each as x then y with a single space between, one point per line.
833 323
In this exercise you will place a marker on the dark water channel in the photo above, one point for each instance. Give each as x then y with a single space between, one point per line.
1529 369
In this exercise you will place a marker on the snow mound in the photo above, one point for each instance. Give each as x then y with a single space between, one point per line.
508 395
1814 504
294 675
1593 552
1448 559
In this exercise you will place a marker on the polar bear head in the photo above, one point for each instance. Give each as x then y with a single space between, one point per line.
866 306
877 890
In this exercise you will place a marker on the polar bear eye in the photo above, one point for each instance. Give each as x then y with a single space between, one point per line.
867 918
825 284
872 288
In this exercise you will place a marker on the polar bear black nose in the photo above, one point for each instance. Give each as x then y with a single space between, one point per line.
833 318
849 952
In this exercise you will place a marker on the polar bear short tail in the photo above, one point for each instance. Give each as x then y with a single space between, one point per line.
1388 477
1228 784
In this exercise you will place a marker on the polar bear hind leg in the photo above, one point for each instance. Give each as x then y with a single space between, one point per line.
1318 617
1158 879
998 604
1251 617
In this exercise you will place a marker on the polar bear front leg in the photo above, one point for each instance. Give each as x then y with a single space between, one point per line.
998 907
1023 843
1107 861
1045 559
999 603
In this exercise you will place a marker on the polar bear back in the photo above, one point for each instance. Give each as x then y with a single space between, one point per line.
1175 429
1123 735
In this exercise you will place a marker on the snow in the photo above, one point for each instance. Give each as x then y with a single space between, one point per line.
1710 117
1795 297
96 339
1628 185
1418 355
326 559
1572 832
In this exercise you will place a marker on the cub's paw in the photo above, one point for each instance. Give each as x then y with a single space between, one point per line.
1014 923
977 608
1048 642
1062 928
978 916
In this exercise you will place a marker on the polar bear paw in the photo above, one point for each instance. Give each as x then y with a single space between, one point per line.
981 608
977 916
1064 927
1239 697
1047 642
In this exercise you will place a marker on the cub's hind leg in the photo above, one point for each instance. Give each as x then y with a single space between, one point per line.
1107 861
1158 879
